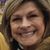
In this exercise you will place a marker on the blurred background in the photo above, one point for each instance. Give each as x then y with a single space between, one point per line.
2 3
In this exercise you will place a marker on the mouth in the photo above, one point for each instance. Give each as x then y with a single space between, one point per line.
27 33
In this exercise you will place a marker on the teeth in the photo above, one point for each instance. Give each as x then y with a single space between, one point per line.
27 34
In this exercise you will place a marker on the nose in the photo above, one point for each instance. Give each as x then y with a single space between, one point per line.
25 22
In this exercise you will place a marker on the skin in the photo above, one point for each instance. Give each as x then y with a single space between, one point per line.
27 24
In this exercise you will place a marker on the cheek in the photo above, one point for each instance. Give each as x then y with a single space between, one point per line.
39 24
13 27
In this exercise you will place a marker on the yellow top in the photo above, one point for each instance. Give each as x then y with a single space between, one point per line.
3 44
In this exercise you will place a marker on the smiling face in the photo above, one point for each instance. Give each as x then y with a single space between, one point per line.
27 24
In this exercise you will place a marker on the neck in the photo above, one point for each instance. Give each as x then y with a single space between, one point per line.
33 47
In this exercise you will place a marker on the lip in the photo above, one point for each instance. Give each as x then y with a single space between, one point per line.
27 33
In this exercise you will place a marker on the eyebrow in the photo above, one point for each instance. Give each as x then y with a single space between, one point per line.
34 11
16 16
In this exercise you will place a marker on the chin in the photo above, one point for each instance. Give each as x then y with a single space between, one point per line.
29 43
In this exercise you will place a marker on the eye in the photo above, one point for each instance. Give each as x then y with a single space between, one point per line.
17 18
32 15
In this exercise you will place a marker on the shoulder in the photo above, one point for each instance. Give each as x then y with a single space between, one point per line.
1 36
45 45
3 44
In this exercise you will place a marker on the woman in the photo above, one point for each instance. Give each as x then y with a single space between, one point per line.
25 23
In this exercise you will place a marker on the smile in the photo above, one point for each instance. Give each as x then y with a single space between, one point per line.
27 33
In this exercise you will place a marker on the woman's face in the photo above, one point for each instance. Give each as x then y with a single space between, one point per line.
27 24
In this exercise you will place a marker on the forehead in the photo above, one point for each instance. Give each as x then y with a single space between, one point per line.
26 7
